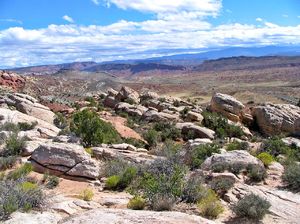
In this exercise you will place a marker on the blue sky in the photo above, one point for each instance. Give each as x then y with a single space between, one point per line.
55 31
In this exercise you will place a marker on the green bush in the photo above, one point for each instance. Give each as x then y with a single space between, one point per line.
152 137
167 131
291 176
92 130
91 100
136 203
210 206
256 173
7 162
51 182
252 207
135 142
112 182
160 184
14 144
275 146
221 185
193 190
220 125
9 126
22 171
19 195
235 145
266 158
200 153
24 126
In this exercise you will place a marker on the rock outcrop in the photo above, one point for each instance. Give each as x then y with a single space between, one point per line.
28 105
64 159
239 158
198 132
128 94
274 119
12 80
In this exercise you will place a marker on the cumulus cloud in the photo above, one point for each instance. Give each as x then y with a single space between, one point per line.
96 2
259 19
68 19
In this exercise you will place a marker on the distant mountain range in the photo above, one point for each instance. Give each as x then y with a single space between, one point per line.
211 60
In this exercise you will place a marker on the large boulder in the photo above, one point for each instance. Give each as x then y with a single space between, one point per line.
198 131
227 105
128 94
133 110
42 128
28 105
239 158
149 95
154 115
65 159
110 101
274 119
11 80
193 116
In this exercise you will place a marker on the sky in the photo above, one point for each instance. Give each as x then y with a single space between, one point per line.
35 32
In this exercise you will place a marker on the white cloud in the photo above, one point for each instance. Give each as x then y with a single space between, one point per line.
96 2
259 19
68 18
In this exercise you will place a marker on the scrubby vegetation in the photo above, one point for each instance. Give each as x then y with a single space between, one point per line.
221 126
14 144
221 185
209 205
292 176
92 130
136 203
236 145
255 173
252 207
266 158
87 194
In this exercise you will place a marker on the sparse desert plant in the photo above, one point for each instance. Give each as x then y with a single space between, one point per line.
87 194
210 206
24 126
122 180
200 153
266 158
136 203
60 121
89 150
236 145
221 185
152 137
19 195
256 173
167 130
291 176
193 190
7 162
163 202
52 182
92 130
252 207
20 172
275 146
14 144
9 126
112 182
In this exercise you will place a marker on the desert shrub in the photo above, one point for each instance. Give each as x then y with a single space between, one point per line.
252 207
161 184
236 145
220 125
89 151
19 195
236 168
24 126
210 206
7 162
221 185
193 190
92 130
256 173
9 126
60 121
167 131
14 144
275 146
176 103
114 167
266 158
91 100
87 194
184 112
112 182
22 171
200 153
291 176
50 181
122 179
152 137
136 203
169 149
130 101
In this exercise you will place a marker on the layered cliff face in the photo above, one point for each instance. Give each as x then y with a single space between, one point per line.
11 80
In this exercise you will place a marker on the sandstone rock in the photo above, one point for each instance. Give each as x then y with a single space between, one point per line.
153 115
69 159
291 141
124 146
67 139
30 146
129 94
133 110
109 216
34 218
227 105
198 141
30 106
192 116
12 80
110 101
18 117
149 95
236 157
112 92
274 119
199 132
